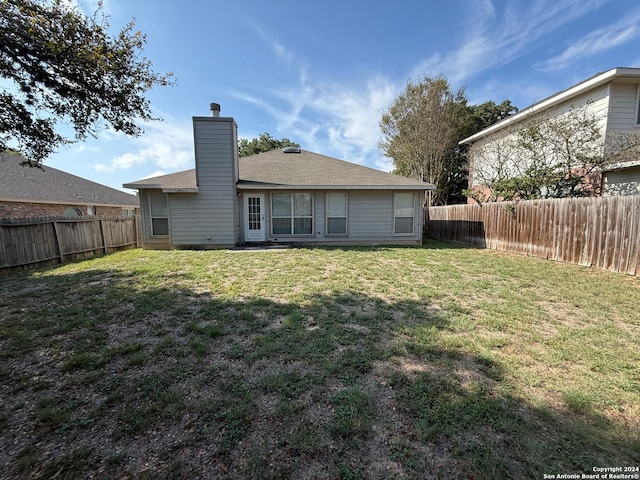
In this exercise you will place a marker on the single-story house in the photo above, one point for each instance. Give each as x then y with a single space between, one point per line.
612 97
48 192
282 196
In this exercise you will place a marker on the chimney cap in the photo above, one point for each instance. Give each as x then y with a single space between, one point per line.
215 109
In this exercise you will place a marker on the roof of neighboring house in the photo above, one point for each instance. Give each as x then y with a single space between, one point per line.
591 83
304 170
48 185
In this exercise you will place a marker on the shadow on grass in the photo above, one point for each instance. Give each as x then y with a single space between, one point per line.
103 373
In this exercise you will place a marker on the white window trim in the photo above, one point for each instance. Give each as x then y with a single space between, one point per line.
346 215
413 217
292 216
151 217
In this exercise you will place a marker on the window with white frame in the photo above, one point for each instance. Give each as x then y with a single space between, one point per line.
292 213
403 213
159 213
336 213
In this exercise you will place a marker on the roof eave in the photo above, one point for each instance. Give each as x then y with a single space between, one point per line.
156 186
95 203
139 186
279 186
562 96
622 165
181 190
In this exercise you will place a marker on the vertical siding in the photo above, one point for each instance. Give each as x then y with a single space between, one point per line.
210 217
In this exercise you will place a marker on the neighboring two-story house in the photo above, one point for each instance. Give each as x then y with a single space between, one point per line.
612 97
283 196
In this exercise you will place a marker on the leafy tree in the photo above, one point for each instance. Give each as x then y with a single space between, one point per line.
264 143
66 69
547 157
421 129
488 113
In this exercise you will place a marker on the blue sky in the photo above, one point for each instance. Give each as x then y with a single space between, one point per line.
321 73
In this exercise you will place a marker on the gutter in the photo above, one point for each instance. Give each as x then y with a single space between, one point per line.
593 82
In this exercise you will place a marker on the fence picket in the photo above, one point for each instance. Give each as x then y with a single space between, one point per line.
33 241
601 232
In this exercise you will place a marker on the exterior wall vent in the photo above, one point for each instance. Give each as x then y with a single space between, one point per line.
291 150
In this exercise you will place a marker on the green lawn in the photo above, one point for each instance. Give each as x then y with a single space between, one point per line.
377 363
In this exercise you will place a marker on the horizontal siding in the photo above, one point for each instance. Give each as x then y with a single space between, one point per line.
320 209
370 218
622 182
370 214
209 217
194 217
214 216
485 151
623 113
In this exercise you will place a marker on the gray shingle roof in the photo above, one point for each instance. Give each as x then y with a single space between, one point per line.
174 182
276 169
27 184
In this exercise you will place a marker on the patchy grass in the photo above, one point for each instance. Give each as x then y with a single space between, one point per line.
438 361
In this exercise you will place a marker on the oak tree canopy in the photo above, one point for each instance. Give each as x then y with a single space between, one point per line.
60 68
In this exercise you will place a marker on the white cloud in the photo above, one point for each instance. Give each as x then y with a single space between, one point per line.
168 145
598 41
497 37
325 116
345 116
342 118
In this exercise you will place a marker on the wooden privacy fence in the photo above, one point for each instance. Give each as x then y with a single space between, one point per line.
602 232
32 241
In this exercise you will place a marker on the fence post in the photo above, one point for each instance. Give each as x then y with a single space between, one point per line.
102 238
57 239
137 225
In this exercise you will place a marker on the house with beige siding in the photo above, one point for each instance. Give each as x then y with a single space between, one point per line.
288 196
612 97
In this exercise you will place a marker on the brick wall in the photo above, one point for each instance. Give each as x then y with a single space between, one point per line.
21 210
